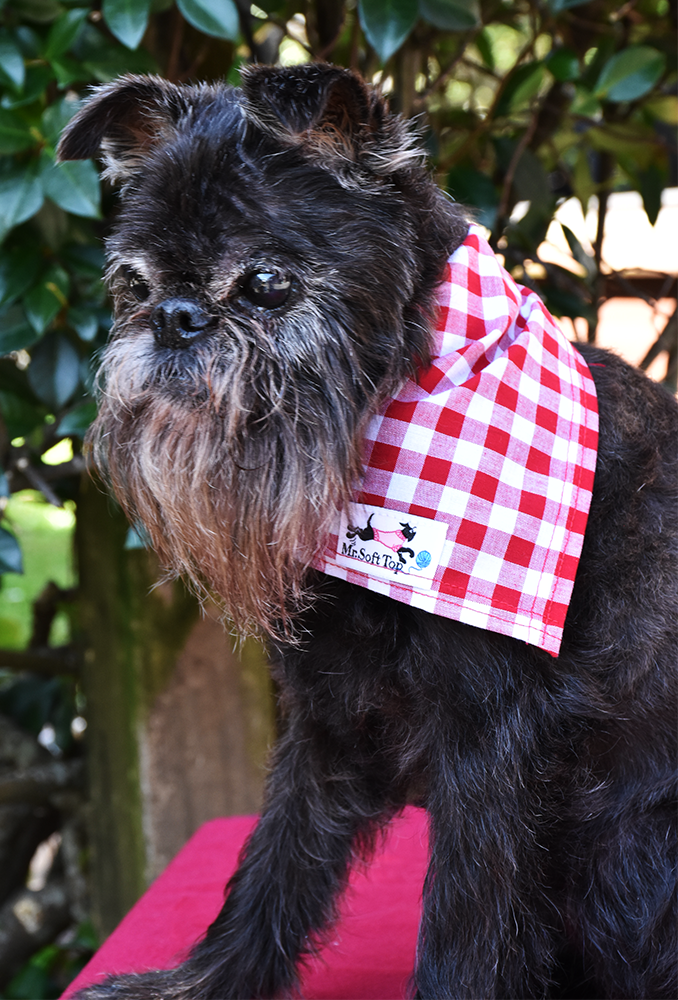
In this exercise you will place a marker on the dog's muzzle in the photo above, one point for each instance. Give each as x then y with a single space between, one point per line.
178 322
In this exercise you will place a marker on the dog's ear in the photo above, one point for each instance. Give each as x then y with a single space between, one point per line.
123 120
298 99
332 114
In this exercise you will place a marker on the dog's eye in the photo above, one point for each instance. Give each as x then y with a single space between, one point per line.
136 284
267 289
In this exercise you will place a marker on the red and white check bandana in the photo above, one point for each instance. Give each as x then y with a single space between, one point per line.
478 474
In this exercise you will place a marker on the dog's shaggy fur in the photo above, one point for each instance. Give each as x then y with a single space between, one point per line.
274 267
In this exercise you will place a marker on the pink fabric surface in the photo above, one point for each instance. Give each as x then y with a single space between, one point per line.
370 953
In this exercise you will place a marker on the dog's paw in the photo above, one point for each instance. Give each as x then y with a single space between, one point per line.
147 986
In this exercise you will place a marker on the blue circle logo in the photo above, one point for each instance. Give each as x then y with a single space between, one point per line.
423 559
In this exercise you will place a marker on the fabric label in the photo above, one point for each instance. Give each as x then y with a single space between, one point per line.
389 545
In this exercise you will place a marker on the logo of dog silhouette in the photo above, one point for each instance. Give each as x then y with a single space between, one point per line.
392 540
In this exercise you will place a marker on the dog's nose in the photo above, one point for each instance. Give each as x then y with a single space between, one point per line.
177 322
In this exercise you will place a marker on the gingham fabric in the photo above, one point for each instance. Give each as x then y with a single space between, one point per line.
478 474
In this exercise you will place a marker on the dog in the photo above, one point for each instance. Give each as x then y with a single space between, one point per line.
276 270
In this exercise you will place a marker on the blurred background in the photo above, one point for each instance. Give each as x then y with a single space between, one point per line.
126 717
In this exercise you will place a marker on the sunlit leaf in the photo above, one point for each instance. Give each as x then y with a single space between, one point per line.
54 371
625 139
214 17
585 103
664 107
630 73
10 553
127 19
387 23
20 194
451 15
523 84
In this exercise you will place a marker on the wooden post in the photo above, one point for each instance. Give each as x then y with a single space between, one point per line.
178 723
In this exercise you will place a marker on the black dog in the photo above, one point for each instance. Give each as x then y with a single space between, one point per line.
274 269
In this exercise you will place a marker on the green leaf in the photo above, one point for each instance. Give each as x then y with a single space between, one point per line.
137 538
56 117
578 252
40 11
483 43
10 553
582 181
652 183
18 270
46 298
471 187
12 69
15 135
532 184
556 6
451 15
74 186
522 85
67 71
37 78
127 19
21 194
387 23
585 103
630 73
563 64
86 258
214 17
15 330
77 420
64 32
21 416
112 61
54 371
84 322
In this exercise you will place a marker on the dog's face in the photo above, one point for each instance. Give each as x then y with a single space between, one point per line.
272 270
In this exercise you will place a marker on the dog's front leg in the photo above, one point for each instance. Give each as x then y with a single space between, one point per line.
282 896
484 932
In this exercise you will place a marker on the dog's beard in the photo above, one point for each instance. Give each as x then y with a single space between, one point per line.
235 466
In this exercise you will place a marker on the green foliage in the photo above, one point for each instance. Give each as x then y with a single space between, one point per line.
53 967
523 101
45 534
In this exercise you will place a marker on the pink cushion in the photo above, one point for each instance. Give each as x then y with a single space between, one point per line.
370 954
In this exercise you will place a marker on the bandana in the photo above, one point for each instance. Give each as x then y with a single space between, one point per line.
478 473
